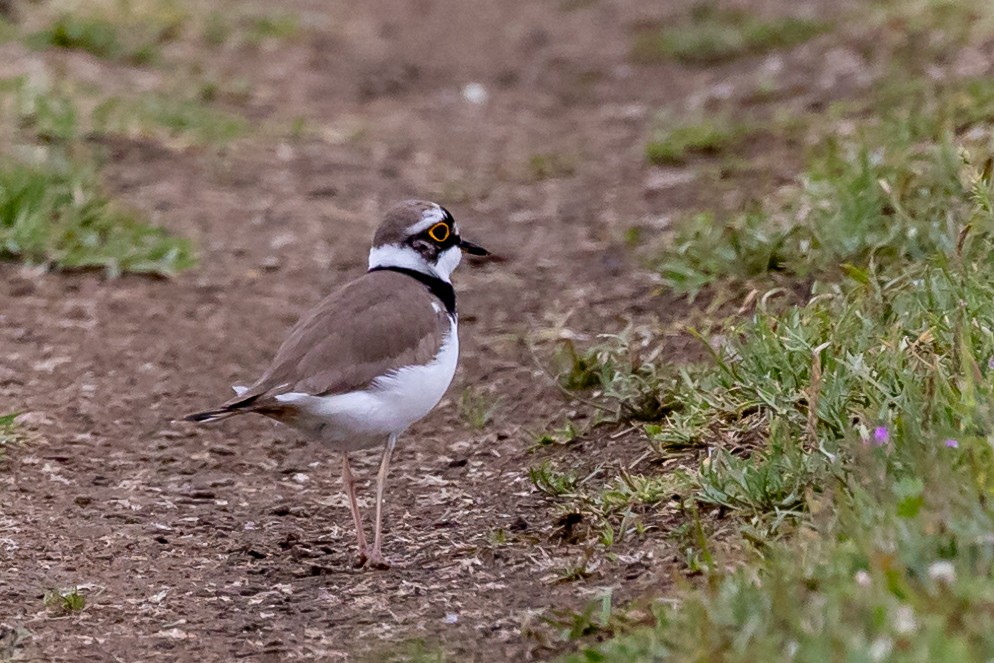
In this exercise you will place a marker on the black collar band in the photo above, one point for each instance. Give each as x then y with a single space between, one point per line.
441 289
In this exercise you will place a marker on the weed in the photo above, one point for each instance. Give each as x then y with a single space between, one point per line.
8 432
675 144
49 115
550 481
56 215
477 407
705 249
179 119
95 36
274 26
884 195
561 436
622 371
498 537
715 36
549 166
129 36
578 570
600 618
66 602
882 471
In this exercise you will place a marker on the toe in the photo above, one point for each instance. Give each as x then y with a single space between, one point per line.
378 561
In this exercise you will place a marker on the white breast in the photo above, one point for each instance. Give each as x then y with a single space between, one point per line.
393 401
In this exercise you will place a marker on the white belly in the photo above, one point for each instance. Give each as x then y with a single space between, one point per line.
361 419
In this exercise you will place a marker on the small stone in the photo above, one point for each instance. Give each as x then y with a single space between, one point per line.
475 94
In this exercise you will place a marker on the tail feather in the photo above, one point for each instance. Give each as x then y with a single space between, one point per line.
208 416
236 405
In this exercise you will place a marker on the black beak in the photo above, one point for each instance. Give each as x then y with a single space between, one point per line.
472 249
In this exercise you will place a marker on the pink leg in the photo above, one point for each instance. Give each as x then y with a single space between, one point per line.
376 559
349 482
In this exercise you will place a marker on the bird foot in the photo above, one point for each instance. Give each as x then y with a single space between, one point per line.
360 560
376 560
370 560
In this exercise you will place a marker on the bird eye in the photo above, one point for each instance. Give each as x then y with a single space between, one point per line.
439 232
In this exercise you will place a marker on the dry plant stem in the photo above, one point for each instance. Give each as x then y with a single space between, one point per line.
348 480
814 392
376 557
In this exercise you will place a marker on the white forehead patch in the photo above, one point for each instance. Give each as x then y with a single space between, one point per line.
429 217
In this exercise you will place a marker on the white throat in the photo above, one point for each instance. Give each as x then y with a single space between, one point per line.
395 255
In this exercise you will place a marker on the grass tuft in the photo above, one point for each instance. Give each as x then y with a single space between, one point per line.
884 194
95 36
477 407
675 144
851 442
55 215
178 119
281 26
129 35
548 166
8 432
715 36
65 602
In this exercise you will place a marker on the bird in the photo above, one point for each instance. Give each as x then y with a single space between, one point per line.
374 356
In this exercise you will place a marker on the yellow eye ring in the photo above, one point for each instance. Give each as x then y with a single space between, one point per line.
439 232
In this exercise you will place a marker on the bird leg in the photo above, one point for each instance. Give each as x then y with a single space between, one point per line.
376 559
349 482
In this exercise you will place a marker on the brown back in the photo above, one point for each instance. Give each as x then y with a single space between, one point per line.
380 322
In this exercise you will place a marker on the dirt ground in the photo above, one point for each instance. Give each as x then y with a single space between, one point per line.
234 541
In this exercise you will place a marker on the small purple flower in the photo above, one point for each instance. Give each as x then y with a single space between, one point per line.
952 444
880 436
990 363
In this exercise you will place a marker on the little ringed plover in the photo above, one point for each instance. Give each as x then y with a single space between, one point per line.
374 356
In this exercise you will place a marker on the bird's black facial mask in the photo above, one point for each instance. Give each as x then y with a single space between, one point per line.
442 236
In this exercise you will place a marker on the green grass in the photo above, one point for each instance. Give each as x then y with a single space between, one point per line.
714 36
48 115
477 407
882 195
65 602
280 26
168 117
675 144
95 36
219 28
55 115
56 215
868 485
130 32
548 166
829 467
8 432
52 210
850 439
133 39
